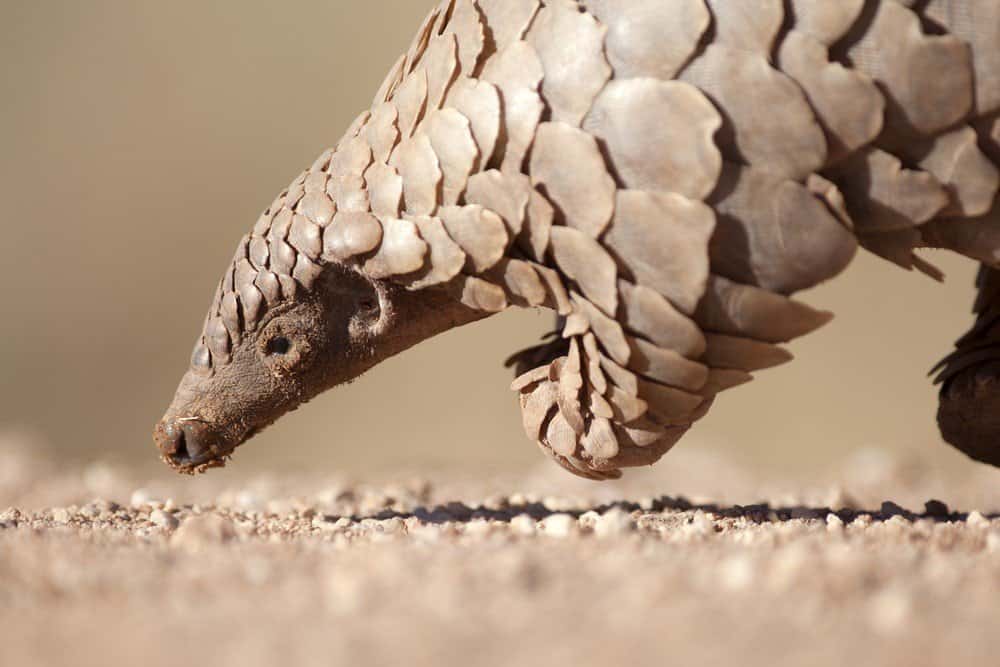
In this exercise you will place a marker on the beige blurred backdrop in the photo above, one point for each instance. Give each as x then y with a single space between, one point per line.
141 139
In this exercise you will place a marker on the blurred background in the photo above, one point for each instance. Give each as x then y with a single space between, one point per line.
141 140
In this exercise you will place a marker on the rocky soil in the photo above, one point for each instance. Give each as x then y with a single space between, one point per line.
106 566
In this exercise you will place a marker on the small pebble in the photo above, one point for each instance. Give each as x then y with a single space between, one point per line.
523 524
614 523
834 523
164 519
977 520
559 525
60 515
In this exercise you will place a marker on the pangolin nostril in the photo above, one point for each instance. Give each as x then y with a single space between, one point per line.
180 452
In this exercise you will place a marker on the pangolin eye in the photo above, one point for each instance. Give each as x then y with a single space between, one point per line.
369 304
279 345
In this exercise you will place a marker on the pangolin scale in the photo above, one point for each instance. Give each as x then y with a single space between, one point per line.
663 174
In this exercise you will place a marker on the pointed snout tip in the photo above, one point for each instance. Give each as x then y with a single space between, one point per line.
189 445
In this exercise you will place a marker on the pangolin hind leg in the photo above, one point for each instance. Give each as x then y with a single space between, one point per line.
969 403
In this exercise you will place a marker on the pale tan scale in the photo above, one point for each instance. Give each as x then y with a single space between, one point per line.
410 101
743 310
529 381
560 435
645 312
665 366
586 262
381 131
883 196
743 354
660 239
567 372
269 287
956 161
774 233
667 405
423 37
351 160
650 38
417 164
536 405
444 260
659 135
283 257
507 20
576 324
478 294
928 79
558 297
451 139
315 182
570 46
217 338
251 305
318 207
350 193
467 26
584 196
537 231
306 272
440 62
385 190
749 90
723 379
848 126
401 250
599 441
351 233
506 194
289 288
520 281
619 376
517 72
280 225
306 237
644 433
391 82
978 23
479 101
608 330
480 233
229 313
258 252
597 404
593 355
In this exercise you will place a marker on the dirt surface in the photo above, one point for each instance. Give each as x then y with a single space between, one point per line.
100 565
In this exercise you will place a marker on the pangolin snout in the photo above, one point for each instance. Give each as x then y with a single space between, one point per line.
188 444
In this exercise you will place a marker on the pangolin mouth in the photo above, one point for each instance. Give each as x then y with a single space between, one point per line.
190 445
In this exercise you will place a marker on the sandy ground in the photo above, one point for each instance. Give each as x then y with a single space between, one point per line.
105 566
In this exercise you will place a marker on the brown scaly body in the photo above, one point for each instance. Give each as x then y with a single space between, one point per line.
663 174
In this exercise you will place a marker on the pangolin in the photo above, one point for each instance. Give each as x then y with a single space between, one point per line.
662 174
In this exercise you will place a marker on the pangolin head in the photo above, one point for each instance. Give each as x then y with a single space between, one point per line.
302 307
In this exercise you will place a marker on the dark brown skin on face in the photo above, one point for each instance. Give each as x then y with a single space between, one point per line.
327 336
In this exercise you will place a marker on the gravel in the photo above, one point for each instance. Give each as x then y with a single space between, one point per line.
103 566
